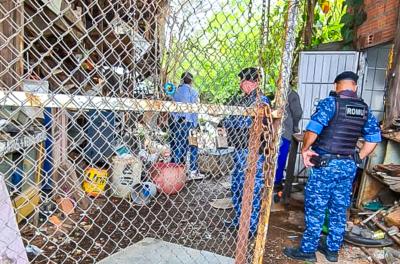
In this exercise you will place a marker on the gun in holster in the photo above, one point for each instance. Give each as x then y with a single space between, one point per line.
320 161
357 159
323 160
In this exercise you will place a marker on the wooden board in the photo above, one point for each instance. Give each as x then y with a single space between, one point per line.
395 136
11 30
369 189
78 102
70 20
390 169
392 106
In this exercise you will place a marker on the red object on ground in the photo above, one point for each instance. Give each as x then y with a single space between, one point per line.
170 178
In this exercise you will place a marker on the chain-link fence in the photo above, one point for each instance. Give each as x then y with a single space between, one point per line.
142 125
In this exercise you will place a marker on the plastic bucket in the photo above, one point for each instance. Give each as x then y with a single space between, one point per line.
170 178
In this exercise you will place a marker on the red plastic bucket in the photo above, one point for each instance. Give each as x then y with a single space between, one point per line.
170 178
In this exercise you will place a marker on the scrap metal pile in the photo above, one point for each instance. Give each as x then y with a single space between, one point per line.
389 174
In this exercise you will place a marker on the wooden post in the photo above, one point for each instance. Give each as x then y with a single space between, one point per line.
392 104
281 98
308 29
60 146
248 191
11 44
161 44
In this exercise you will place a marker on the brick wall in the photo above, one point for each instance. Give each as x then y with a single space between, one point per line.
381 22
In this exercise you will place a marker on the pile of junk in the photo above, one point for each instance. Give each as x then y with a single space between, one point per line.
139 171
376 226
135 170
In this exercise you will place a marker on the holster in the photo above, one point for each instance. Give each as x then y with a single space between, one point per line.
320 161
323 160
357 159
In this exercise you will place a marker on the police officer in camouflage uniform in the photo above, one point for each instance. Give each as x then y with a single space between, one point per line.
329 147
238 131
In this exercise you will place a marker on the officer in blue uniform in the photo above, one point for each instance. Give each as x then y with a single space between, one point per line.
329 147
237 128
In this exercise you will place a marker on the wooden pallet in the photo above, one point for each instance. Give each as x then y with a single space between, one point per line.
390 169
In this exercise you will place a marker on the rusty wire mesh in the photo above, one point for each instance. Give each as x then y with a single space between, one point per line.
88 130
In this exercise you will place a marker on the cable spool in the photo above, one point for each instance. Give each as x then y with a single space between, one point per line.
169 88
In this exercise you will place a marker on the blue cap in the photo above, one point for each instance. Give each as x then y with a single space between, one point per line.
250 74
347 75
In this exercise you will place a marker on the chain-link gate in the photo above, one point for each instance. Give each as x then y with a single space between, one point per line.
122 124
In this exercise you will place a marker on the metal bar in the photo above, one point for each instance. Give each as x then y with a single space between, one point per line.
76 102
290 170
377 261
21 142
383 228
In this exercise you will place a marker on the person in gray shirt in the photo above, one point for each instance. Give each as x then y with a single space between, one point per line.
293 114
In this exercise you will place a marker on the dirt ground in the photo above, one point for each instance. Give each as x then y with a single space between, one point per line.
286 229
186 219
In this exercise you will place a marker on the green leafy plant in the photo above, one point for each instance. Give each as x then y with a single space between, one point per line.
229 42
230 39
328 24
351 20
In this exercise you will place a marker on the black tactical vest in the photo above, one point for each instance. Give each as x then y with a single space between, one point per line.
345 128
238 136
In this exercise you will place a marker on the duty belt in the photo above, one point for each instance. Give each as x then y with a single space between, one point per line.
337 156
324 159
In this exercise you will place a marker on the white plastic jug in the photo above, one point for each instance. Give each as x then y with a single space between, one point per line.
126 172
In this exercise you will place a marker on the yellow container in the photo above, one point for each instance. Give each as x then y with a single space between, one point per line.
95 181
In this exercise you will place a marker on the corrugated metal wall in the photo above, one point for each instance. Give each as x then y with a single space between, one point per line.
318 70
316 74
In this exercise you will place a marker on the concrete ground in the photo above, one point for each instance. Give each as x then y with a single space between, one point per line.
285 230
155 251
